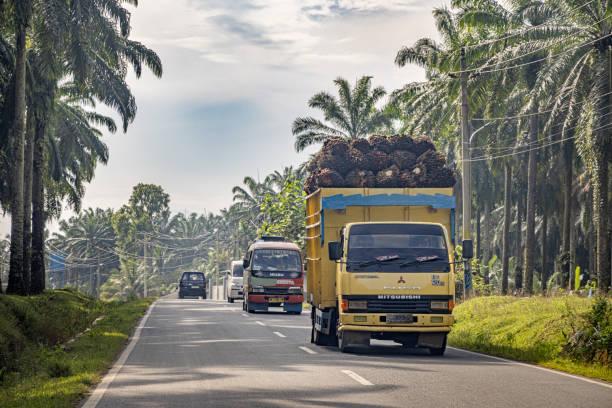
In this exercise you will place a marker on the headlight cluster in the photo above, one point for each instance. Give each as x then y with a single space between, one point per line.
439 305
295 289
257 289
358 304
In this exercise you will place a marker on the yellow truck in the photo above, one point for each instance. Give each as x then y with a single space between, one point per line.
380 265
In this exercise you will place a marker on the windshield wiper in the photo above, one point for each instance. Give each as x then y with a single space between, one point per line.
380 260
420 260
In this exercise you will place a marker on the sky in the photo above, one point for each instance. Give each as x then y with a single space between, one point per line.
236 75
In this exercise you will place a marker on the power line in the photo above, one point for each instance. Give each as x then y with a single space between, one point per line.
524 31
511 147
526 114
483 158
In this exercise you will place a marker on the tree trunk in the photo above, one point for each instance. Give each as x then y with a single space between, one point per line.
601 224
518 270
544 274
478 243
486 247
27 204
16 282
38 209
506 231
458 210
568 164
532 170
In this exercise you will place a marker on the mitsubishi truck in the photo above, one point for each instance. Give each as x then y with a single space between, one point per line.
273 276
380 266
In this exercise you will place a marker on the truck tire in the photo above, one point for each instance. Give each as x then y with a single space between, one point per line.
342 344
321 339
230 300
438 351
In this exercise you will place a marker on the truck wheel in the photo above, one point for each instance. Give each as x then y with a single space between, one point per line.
342 345
321 339
230 300
438 351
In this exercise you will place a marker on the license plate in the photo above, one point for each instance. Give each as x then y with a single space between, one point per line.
195 287
400 318
276 300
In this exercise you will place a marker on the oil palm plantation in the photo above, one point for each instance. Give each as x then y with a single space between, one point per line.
88 240
88 42
353 114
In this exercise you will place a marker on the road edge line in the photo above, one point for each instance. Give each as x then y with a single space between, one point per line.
95 397
537 367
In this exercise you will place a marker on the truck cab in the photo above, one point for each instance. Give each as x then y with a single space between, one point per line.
273 276
393 274
382 266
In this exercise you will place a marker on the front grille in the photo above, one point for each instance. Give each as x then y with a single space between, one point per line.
276 291
398 306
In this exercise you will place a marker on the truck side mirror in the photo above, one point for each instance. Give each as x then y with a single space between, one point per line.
245 263
335 250
467 249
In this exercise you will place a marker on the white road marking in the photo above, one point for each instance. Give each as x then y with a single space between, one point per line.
260 323
357 377
280 334
307 350
245 315
576 377
98 393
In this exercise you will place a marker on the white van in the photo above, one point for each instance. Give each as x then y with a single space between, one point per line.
234 282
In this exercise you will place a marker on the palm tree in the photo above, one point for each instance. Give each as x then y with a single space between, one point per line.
579 72
279 178
22 15
96 54
352 115
89 239
250 197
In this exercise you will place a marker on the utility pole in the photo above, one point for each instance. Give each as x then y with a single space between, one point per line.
466 167
145 289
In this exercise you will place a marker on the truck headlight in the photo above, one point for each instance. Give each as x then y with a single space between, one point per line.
358 304
257 289
295 289
439 305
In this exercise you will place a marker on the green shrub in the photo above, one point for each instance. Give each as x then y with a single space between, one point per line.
591 337
57 369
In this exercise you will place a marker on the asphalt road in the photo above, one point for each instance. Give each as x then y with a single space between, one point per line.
194 353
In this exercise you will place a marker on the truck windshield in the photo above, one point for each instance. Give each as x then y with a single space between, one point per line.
276 263
397 248
237 271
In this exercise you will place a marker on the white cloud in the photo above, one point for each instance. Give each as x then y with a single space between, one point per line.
236 74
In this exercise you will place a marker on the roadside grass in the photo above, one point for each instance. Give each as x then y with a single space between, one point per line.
48 372
532 330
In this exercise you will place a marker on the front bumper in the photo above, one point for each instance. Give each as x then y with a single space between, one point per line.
236 293
192 291
256 298
377 322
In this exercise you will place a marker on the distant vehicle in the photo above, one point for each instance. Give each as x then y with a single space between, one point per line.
234 282
192 284
273 276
